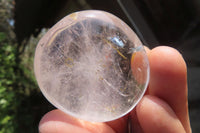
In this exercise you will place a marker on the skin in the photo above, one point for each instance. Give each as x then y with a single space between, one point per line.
163 109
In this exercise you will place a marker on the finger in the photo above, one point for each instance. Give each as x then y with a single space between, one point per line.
168 80
57 121
147 50
156 116
139 66
135 124
120 125
138 61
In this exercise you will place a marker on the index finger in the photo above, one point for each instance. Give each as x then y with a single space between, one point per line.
168 80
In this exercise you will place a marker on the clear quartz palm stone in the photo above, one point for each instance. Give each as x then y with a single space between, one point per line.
92 66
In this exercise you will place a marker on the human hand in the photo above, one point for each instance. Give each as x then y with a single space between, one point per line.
163 109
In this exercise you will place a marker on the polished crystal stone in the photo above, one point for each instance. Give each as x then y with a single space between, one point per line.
92 66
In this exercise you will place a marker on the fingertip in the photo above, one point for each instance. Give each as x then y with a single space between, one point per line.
57 121
164 59
60 127
57 115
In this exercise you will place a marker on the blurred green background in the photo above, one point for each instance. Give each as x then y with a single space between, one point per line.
21 103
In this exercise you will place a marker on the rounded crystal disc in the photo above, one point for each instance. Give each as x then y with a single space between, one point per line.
92 66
